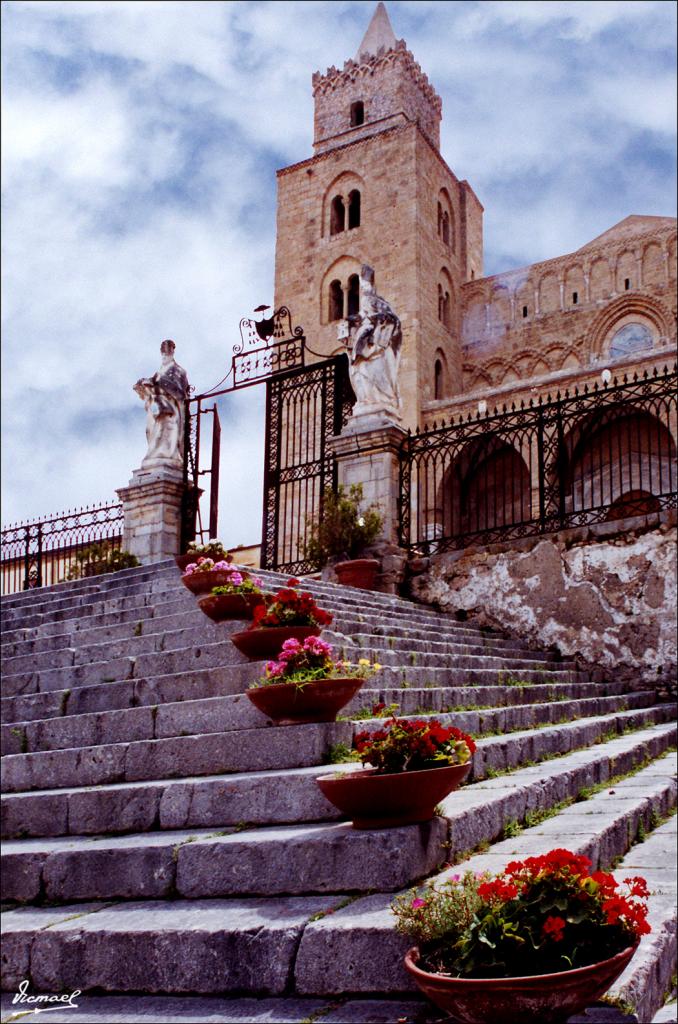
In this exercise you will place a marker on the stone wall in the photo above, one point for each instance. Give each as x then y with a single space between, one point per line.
611 602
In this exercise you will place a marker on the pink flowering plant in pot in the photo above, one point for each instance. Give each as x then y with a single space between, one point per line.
205 576
306 683
558 932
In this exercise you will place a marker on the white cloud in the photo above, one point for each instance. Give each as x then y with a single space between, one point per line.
140 141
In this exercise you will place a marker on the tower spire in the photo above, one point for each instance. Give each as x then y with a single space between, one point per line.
379 35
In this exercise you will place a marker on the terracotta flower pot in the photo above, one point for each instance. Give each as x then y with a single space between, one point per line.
542 998
202 582
229 606
185 560
373 800
267 641
317 701
359 572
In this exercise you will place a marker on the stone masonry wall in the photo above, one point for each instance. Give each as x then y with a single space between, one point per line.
610 602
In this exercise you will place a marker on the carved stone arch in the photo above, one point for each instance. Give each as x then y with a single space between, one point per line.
446 222
523 296
672 258
600 278
631 307
626 271
500 307
653 264
477 378
575 285
496 370
441 378
341 187
446 298
549 293
339 270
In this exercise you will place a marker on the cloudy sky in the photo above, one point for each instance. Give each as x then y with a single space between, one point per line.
140 143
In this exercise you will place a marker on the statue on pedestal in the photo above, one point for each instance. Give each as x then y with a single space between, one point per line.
164 395
373 337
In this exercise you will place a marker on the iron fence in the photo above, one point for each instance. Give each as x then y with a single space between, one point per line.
603 453
69 545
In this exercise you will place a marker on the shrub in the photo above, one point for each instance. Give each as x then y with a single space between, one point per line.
98 559
343 530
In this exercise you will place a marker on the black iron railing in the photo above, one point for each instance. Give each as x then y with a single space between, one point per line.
580 458
66 546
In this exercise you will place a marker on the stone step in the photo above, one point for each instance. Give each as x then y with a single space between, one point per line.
301 859
273 797
194 717
357 948
274 861
174 632
157 640
294 746
223 654
136 1009
214 683
260 945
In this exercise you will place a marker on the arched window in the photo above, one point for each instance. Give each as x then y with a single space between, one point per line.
337 216
354 209
630 338
440 220
438 380
441 303
336 311
353 303
446 227
357 113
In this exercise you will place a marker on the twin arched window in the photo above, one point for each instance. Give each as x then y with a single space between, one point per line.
339 208
444 307
344 302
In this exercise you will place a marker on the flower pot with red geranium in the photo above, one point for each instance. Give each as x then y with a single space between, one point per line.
409 766
537 943
342 533
307 684
291 613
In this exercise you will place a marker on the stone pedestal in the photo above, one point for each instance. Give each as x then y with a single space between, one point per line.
152 508
367 454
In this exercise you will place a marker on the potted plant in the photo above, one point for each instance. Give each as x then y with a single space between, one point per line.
236 598
290 613
201 576
307 684
341 535
538 942
213 549
413 765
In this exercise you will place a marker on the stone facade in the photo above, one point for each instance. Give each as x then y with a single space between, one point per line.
609 601
529 331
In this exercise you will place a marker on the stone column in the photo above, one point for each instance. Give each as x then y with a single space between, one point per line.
152 505
367 454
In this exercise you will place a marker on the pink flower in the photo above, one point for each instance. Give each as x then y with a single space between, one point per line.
190 569
418 902
222 565
275 668
257 582
314 645
236 578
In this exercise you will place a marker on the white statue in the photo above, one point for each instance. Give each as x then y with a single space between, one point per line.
374 342
164 395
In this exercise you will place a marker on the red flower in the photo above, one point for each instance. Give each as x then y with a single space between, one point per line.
554 928
497 889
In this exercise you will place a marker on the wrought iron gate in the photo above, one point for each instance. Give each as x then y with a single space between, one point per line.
304 408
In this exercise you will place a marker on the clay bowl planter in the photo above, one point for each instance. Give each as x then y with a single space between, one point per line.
202 582
267 641
540 999
220 607
372 800
359 572
316 701
183 561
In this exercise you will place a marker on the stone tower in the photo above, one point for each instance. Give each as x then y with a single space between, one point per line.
378 192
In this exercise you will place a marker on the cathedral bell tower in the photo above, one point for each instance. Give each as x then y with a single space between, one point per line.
377 192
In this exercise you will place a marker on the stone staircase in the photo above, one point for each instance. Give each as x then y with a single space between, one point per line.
168 853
